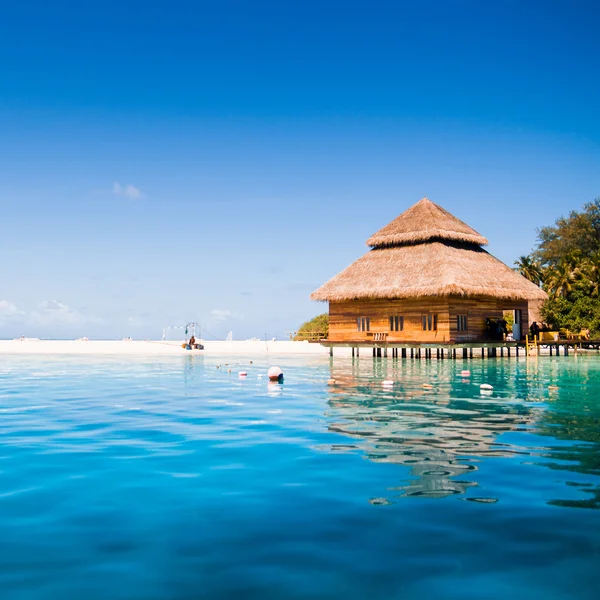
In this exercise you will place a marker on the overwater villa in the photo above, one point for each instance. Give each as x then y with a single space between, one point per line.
426 281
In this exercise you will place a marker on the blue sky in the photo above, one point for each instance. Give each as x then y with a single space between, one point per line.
217 161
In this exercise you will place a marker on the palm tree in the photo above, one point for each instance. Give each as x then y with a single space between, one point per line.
559 280
591 273
529 268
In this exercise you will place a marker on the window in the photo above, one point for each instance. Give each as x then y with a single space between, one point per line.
429 322
364 323
461 323
396 323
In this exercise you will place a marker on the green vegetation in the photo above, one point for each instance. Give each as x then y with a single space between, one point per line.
315 329
566 263
510 320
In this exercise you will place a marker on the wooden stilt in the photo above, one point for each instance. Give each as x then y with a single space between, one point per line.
403 352
566 349
357 351
464 353
330 350
385 352
508 351
470 352
482 352
352 351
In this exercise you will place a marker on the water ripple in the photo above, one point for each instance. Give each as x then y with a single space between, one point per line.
170 478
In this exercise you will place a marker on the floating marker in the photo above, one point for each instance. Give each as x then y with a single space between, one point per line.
465 373
275 374
427 386
243 374
387 383
486 386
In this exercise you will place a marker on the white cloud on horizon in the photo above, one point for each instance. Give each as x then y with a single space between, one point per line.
53 312
48 312
128 191
8 310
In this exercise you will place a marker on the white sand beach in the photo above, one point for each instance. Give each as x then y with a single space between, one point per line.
157 348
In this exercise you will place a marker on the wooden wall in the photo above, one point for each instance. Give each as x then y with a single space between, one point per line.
477 311
343 318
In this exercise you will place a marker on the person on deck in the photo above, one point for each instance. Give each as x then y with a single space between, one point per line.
534 328
192 342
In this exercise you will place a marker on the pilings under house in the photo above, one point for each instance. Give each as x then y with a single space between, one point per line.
466 350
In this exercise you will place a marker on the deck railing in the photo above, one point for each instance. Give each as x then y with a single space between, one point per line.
311 336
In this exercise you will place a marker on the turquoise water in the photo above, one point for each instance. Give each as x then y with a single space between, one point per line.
172 478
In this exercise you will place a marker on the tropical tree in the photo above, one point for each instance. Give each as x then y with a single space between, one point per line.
580 231
568 254
591 273
559 280
529 268
315 329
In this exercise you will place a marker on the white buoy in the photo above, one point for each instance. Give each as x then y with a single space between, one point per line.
427 386
486 386
387 383
275 374
243 374
465 373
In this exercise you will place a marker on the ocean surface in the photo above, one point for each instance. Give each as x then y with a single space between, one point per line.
174 478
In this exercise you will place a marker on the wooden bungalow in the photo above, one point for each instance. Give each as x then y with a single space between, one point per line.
426 280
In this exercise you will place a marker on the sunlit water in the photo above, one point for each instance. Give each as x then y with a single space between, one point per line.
172 478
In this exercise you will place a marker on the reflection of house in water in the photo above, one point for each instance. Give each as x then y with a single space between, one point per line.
440 434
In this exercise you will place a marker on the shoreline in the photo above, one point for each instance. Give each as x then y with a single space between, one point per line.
38 347
155 347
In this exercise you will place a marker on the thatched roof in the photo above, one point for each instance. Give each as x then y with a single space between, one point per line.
425 221
429 264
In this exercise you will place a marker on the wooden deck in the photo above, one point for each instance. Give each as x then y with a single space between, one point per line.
442 350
